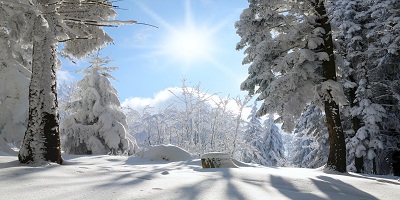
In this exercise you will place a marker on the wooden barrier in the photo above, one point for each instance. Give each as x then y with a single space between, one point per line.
217 160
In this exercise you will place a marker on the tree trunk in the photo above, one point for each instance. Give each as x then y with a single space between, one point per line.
337 152
42 139
374 165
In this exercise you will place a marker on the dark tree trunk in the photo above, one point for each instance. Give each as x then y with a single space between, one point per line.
396 163
374 166
359 164
337 152
42 139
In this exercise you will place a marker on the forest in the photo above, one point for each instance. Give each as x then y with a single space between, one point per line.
323 87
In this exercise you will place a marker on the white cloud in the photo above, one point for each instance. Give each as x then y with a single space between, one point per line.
161 100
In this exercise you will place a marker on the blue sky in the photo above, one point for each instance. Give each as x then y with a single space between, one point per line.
196 39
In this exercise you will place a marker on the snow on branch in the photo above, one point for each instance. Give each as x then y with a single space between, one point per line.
18 4
332 90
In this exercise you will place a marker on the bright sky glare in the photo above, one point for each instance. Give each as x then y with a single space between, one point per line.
196 39
189 45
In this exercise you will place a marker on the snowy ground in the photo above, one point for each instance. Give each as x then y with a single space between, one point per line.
119 177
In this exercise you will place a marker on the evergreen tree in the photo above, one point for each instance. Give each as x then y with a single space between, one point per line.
302 140
311 145
98 125
77 23
272 150
253 138
383 53
289 47
369 48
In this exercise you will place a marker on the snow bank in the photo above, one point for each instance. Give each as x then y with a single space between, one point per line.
167 152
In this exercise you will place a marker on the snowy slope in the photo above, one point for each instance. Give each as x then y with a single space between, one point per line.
117 177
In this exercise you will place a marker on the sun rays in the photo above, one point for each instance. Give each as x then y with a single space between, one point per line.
186 43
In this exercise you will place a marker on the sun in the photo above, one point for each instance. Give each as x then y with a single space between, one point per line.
189 45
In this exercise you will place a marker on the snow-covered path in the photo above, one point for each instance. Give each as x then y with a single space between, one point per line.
117 177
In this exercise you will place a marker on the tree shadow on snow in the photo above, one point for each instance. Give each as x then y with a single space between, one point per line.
334 188
143 171
286 188
392 180
14 163
214 177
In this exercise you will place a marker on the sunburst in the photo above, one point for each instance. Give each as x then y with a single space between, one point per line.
187 43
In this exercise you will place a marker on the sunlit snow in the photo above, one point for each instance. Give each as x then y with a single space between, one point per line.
119 177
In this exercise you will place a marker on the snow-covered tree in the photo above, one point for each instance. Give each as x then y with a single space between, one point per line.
42 141
288 144
383 53
141 125
301 143
13 107
368 36
98 125
77 23
241 104
191 119
273 149
252 138
15 65
289 47
311 143
65 97
192 105
223 126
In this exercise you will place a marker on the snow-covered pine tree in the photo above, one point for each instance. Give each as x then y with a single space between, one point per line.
253 138
272 143
301 148
15 66
311 143
288 144
383 53
98 125
79 24
301 140
369 49
289 47
320 149
349 17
